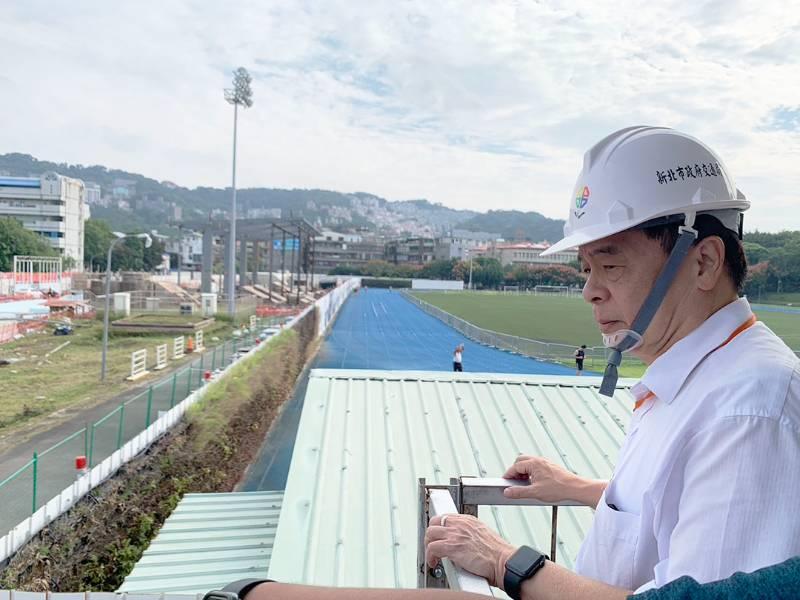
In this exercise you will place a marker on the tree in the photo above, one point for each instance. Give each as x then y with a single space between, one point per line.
97 236
486 272
438 269
757 280
16 240
129 255
755 253
529 276
152 257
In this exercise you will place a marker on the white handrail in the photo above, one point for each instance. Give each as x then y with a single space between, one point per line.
441 503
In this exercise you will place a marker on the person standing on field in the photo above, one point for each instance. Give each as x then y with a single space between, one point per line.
580 354
457 366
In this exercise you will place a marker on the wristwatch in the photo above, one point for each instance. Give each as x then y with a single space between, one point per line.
236 590
522 565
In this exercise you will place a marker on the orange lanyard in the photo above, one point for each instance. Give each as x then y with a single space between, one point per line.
743 327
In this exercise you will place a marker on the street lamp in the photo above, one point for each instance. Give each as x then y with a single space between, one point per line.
239 95
148 241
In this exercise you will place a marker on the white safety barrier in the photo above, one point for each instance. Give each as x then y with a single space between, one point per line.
198 342
161 357
138 364
437 284
29 527
328 306
178 347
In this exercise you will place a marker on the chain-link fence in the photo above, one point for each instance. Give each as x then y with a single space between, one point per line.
50 471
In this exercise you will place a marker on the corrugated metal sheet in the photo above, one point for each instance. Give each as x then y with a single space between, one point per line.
350 512
209 541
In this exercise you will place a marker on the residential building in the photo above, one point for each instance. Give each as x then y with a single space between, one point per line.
411 250
332 249
263 213
123 188
92 193
526 253
53 206
460 242
190 249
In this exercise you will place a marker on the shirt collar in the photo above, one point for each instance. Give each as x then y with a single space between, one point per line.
667 374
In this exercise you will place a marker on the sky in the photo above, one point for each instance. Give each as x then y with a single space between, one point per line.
475 104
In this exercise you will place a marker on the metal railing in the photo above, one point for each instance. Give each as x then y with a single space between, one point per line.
25 490
463 496
549 351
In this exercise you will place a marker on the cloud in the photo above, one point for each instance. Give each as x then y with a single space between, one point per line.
472 104
783 118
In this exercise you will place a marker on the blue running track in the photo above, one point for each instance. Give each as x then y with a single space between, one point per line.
380 329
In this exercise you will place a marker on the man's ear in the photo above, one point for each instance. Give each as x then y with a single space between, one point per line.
710 262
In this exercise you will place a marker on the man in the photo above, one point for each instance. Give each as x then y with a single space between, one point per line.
707 479
706 482
457 357
580 354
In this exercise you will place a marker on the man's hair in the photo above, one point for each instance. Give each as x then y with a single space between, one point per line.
707 226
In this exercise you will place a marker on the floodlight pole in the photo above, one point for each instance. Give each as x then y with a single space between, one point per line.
231 280
239 94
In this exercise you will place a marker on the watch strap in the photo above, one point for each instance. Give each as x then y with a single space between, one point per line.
243 586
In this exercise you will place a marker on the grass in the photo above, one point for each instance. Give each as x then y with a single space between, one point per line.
166 319
792 298
38 385
562 320
548 319
237 388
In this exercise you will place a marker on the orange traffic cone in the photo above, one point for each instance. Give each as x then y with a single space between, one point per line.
190 344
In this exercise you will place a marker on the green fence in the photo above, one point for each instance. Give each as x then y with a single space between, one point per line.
50 471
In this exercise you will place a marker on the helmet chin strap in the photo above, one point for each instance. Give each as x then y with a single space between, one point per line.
634 336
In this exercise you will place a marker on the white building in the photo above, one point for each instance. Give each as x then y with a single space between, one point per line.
52 206
92 193
461 242
189 247
525 253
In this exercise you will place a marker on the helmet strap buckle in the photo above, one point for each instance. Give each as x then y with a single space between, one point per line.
688 224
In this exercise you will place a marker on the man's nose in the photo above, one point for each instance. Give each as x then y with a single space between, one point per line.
593 291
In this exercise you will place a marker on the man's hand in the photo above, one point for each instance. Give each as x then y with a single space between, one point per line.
550 482
470 544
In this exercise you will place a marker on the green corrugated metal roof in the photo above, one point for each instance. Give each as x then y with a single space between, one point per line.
209 541
365 437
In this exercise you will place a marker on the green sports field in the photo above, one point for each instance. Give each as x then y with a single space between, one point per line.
561 320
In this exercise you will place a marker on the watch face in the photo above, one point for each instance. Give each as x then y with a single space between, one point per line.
220 595
523 560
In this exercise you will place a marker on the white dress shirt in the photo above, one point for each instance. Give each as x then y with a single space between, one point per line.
708 478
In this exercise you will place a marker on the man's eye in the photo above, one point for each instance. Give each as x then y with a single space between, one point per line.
611 267
586 270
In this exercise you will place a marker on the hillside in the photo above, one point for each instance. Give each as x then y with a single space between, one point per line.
517 225
133 201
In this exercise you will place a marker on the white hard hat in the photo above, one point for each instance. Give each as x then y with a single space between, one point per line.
641 173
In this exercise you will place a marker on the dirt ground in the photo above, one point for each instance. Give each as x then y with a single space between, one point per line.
51 373
96 544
